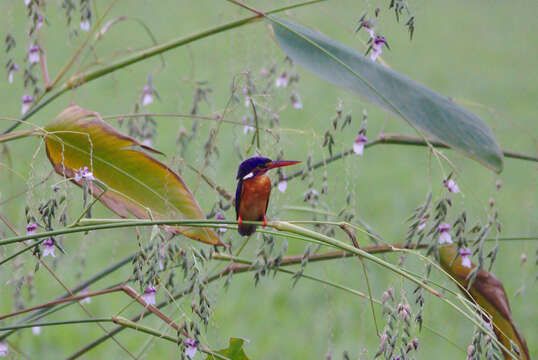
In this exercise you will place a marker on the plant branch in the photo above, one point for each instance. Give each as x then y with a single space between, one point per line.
400 139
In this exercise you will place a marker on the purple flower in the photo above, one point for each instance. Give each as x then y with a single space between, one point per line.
85 25
282 184
282 80
444 235
147 95
40 21
422 223
31 229
33 54
248 98
451 186
84 173
358 145
377 47
296 101
27 101
13 68
191 347
85 291
36 330
27 2
3 349
368 25
220 216
147 142
149 295
247 128
48 247
465 254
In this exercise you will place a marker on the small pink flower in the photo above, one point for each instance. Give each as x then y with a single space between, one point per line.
88 299
451 186
149 295
40 21
36 330
4 351
48 247
191 347
422 223
465 254
282 185
27 101
220 216
12 69
27 2
147 142
444 235
84 173
247 128
33 54
358 145
282 80
31 229
248 98
85 25
368 26
147 95
296 101
377 47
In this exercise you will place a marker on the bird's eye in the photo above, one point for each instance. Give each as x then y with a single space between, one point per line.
263 166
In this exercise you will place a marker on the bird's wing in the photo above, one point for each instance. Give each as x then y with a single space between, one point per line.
238 193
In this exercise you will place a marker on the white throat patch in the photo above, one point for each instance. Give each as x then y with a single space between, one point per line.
248 176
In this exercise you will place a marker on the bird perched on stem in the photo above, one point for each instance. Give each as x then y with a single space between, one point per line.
253 190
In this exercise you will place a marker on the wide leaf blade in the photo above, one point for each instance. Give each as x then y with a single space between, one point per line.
423 108
138 184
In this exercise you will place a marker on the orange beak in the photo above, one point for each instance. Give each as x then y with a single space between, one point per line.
280 163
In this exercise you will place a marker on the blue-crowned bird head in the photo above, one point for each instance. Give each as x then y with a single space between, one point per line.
258 165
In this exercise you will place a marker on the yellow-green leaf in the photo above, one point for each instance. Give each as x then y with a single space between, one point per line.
137 184
233 352
488 291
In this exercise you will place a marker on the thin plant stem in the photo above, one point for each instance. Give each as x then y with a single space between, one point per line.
356 244
52 323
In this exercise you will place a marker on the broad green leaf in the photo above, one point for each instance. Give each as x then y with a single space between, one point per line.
424 109
137 183
488 291
233 352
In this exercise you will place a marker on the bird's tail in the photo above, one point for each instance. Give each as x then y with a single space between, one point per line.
246 229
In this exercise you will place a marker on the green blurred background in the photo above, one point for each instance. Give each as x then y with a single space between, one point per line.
480 52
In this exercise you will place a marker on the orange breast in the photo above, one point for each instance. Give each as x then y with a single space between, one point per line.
254 197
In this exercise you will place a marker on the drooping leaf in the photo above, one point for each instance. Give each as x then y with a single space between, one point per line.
488 291
137 183
423 108
233 352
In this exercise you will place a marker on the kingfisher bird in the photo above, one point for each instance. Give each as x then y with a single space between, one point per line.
253 190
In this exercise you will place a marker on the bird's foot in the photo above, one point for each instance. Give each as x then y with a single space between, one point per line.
264 221
240 221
